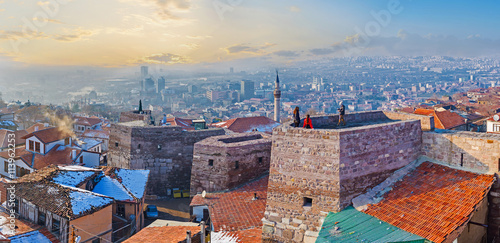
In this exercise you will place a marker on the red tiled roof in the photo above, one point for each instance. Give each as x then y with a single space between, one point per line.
249 235
443 119
49 135
184 123
59 155
40 126
433 200
167 234
87 121
407 109
96 134
235 210
247 124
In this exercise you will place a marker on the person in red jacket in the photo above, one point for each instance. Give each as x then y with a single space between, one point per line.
307 122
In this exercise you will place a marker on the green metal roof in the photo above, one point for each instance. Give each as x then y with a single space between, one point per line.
350 225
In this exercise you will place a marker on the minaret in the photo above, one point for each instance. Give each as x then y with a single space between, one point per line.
277 99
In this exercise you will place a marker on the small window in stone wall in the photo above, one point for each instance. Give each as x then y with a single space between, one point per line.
211 162
138 146
260 160
498 164
236 165
308 202
159 146
116 144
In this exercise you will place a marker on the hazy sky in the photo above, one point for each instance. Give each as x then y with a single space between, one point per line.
115 33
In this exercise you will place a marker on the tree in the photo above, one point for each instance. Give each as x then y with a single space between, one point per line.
140 105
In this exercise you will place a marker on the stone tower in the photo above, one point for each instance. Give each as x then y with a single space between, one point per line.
277 99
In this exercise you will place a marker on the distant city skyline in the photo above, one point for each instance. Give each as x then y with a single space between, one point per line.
120 33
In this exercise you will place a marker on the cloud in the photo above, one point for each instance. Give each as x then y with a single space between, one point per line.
55 21
17 35
76 36
294 9
247 48
168 9
284 53
197 37
191 46
162 58
322 51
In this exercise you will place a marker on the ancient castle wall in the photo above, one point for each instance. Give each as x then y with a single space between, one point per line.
329 167
166 151
215 158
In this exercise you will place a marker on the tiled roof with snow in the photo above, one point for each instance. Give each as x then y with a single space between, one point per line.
112 188
72 178
134 180
91 142
84 201
33 236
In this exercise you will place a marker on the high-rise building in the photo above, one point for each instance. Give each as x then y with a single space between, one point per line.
160 85
144 71
247 90
149 85
231 70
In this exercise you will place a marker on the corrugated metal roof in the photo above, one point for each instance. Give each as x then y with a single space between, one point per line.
350 225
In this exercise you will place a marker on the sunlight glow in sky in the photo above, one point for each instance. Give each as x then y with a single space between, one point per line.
114 33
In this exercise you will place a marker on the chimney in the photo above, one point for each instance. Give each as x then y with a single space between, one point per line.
36 128
188 236
202 231
46 125
73 154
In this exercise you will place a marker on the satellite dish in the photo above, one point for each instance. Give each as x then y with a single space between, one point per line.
496 117
204 194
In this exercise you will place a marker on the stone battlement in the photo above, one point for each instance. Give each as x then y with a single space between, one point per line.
224 162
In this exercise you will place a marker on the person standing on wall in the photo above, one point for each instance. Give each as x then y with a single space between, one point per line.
341 113
296 117
308 123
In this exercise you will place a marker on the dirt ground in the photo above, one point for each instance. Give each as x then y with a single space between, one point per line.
171 209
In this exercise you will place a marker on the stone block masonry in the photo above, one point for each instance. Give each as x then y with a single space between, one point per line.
166 151
314 172
225 162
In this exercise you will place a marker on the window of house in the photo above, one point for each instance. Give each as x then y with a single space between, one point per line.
41 218
211 162
56 226
31 146
116 144
308 202
6 166
496 127
120 210
66 141
37 147
260 160
81 159
236 165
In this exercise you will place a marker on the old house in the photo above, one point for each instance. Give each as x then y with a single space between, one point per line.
248 124
82 124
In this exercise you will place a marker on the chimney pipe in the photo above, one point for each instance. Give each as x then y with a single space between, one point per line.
36 128
73 154
202 231
188 236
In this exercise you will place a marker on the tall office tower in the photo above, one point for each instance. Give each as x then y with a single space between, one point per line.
247 90
144 71
277 98
149 85
160 85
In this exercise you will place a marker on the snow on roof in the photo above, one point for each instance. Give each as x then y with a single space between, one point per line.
112 188
72 178
76 168
224 237
134 180
264 128
33 236
90 142
7 123
83 201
